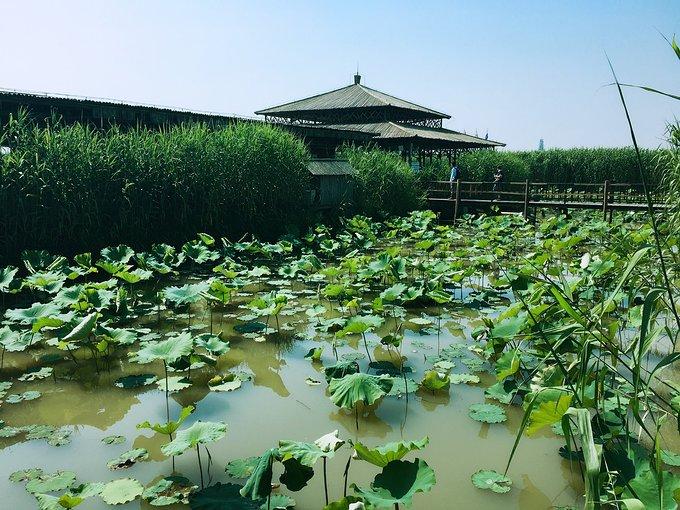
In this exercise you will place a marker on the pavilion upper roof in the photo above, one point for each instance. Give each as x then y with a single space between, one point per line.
354 103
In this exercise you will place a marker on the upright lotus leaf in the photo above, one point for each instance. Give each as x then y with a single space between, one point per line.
296 474
398 482
121 491
436 381
309 453
59 481
170 490
382 455
507 364
169 350
359 387
212 343
489 479
359 324
393 293
186 294
314 354
341 369
201 432
219 292
48 281
259 484
646 488
242 468
7 275
134 276
83 329
32 314
222 496
509 327
329 443
547 413
120 253
16 341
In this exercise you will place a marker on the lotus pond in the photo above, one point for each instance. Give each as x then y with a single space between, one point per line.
401 364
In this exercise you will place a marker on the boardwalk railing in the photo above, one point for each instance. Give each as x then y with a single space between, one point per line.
523 196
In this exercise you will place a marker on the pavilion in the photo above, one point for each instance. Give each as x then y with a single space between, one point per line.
413 130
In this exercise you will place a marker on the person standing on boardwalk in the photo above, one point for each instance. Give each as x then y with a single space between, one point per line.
453 177
497 179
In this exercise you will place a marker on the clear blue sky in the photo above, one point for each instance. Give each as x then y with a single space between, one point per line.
522 70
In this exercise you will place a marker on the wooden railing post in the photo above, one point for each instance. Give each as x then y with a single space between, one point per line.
525 212
605 199
457 203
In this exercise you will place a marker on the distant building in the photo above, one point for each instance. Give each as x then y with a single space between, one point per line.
541 147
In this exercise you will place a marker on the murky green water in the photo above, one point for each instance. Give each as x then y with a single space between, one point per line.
278 404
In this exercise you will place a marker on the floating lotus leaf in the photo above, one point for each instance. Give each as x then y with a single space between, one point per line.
59 437
38 431
229 382
113 439
487 413
464 379
175 383
121 491
250 327
33 375
128 459
443 366
259 483
346 503
489 479
401 387
168 350
382 455
359 387
25 475
15 398
135 381
242 468
312 382
65 502
222 496
201 432
169 491
278 502
398 482
59 481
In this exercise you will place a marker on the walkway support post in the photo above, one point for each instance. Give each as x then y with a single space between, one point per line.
457 203
525 211
605 199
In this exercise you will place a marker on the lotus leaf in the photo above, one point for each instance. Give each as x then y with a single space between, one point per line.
121 491
128 458
258 485
382 455
168 350
278 502
59 481
242 468
169 491
359 387
220 497
435 381
489 479
201 432
487 413
398 482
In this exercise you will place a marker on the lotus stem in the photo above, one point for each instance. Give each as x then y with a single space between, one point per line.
200 466
356 416
366 346
345 474
325 481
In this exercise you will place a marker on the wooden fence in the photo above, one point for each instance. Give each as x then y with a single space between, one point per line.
449 197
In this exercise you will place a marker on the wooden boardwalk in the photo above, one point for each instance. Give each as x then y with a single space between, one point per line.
449 199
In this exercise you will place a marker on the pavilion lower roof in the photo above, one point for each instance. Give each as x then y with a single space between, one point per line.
441 137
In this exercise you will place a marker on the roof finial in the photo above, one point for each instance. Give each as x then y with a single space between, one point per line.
357 76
